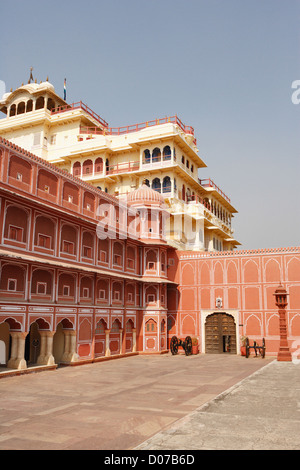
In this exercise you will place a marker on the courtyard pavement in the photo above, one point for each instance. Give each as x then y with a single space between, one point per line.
154 402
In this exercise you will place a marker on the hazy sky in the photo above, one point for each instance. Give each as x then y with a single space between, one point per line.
225 67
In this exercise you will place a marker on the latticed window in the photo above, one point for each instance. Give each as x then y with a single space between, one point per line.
115 327
100 329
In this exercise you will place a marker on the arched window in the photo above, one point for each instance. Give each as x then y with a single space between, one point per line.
29 106
115 327
166 184
50 104
68 240
151 326
12 111
183 192
47 182
77 169
87 167
44 235
156 155
21 108
16 224
156 185
40 102
70 193
167 153
100 327
98 165
147 156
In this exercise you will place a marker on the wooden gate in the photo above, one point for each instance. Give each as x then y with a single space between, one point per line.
220 334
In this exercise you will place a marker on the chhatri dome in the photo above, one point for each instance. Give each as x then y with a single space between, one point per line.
144 195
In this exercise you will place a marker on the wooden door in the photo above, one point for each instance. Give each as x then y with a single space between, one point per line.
220 334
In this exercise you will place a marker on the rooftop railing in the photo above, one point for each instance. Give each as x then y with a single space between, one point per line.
79 105
209 183
137 127
122 168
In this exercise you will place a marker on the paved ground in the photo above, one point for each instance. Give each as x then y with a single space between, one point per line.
121 404
260 413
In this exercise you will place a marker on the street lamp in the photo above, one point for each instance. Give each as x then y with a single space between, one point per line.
284 353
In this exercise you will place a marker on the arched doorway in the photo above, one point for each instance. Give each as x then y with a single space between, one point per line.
220 334
64 343
32 344
5 343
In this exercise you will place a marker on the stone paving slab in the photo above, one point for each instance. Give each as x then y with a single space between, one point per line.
113 405
262 412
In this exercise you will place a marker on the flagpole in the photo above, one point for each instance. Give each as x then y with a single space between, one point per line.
65 89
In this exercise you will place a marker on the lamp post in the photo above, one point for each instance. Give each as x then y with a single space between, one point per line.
284 353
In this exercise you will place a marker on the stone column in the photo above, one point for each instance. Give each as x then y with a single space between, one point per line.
133 340
46 356
73 356
107 350
42 355
70 354
21 363
17 360
66 352
284 353
14 351
121 332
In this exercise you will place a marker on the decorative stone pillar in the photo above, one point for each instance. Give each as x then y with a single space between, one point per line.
42 355
121 333
284 353
14 351
73 357
133 340
107 350
46 356
70 354
66 352
17 360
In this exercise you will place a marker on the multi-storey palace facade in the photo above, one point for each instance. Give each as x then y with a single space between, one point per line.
162 152
110 243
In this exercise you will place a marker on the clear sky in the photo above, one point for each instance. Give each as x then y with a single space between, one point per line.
225 67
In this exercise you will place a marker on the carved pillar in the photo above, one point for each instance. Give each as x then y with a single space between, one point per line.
17 360
14 350
66 352
42 355
133 340
69 354
120 349
107 350
46 351
73 357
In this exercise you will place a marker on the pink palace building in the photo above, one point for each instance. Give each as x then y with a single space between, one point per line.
111 244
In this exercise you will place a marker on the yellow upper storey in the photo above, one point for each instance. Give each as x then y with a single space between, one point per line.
162 152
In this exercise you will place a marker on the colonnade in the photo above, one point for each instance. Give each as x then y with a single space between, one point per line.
46 357
107 341
17 357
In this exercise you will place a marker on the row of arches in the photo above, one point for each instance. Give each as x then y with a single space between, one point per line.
36 284
32 104
41 346
161 186
89 167
157 155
